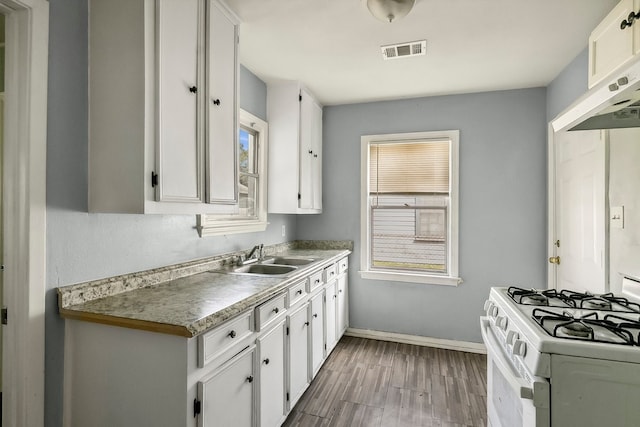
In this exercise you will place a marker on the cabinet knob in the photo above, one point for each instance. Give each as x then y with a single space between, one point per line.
315 155
266 361
232 334
629 21
315 315
276 310
310 151
193 89
215 101
306 323
299 292
340 291
250 379
335 296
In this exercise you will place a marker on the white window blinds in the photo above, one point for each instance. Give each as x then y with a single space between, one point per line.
420 167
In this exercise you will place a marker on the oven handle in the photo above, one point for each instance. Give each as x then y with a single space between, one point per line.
494 349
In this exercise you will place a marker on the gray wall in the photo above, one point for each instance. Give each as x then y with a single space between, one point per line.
502 205
82 246
568 86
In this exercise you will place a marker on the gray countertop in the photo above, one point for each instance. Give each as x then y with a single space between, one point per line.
187 305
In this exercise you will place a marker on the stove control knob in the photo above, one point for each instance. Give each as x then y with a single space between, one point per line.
519 348
502 322
493 311
512 336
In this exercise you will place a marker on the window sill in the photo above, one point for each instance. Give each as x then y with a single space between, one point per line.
230 227
412 278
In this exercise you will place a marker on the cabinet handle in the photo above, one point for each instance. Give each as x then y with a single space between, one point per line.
266 361
335 296
315 315
276 310
306 323
193 89
310 151
299 292
232 334
317 281
315 155
250 379
340 291
629 21
215 101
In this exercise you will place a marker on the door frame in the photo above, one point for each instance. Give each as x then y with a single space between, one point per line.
24 204
552 278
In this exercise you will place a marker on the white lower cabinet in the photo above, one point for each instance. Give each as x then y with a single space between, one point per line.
247 372
271 366
343 304
227 395
331 323
316 342
298 354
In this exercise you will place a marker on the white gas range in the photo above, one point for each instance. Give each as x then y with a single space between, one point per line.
561 358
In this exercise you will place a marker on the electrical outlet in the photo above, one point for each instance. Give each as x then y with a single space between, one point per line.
284 230
617 216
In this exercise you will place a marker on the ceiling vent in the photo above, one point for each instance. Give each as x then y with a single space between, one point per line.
404 50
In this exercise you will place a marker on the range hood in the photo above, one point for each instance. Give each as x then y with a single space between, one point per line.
613 103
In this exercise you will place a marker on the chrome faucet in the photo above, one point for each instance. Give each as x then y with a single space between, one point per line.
255 255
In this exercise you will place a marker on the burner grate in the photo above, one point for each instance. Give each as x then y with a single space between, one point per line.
583 328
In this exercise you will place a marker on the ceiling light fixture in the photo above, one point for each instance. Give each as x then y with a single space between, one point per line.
389 10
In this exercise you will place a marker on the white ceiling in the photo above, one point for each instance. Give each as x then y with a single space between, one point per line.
333 46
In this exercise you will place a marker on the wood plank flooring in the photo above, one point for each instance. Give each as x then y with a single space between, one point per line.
371 383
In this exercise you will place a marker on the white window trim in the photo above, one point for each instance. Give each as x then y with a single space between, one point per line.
452 278
216 225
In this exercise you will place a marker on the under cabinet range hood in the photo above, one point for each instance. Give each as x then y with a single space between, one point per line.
612 104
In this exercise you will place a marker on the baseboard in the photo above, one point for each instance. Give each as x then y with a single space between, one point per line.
470 347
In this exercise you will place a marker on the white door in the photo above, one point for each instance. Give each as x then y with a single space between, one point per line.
306 150
227 395
222 126
317 333
179 143
272 378
298 353
581 210
342 306
331 296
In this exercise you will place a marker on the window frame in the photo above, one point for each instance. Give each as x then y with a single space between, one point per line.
366 272
217 224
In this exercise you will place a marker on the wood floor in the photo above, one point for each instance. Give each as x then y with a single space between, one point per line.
372 383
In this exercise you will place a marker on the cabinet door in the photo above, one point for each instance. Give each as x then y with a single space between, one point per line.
343 305
298 353
227 395
609 45
179 143
221 107
317 333
310 152
331 298
272 378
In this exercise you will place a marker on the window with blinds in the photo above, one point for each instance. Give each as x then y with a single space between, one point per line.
409 189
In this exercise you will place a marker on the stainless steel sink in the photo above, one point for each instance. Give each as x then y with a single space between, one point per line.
264 269
288 261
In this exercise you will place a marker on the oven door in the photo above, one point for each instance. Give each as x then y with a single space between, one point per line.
514 398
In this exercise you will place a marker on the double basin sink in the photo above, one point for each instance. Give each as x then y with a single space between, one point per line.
276 266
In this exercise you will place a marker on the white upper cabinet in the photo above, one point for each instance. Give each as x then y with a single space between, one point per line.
295 149
163 115
614 42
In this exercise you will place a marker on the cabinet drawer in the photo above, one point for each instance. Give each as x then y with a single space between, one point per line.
297 292
270 311
343 265
223 338
315 281
330 273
